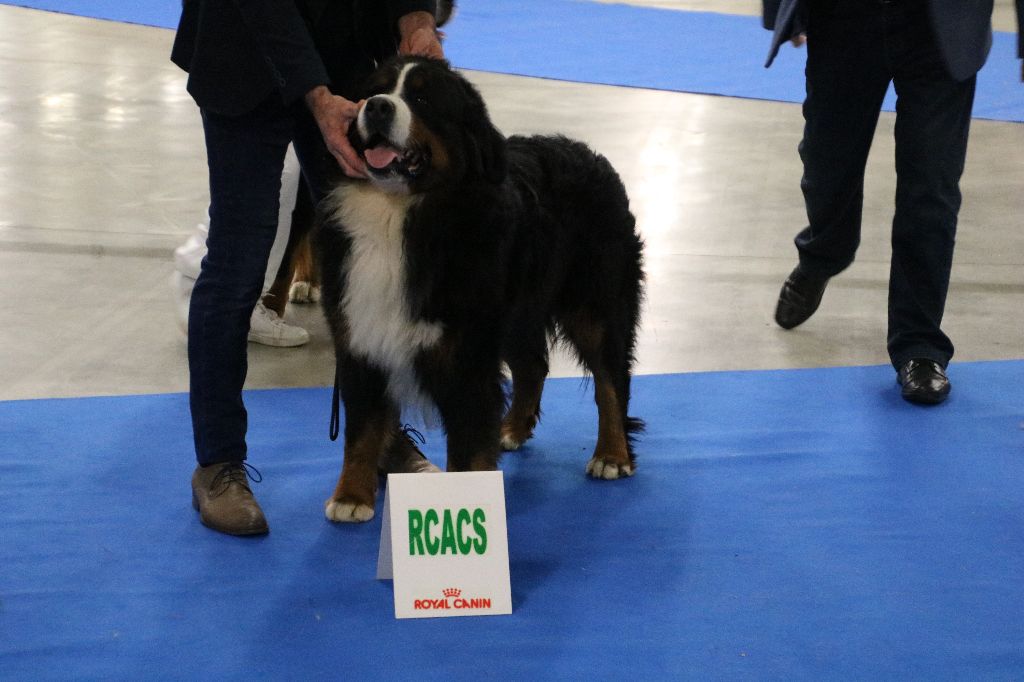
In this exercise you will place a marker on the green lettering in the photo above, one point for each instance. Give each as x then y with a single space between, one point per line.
480 544
430 519
448 534
415 532
465 543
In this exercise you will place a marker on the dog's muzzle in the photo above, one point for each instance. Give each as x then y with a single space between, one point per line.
379 115
384 124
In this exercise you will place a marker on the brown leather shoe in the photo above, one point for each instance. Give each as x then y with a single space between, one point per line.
221 495
403 457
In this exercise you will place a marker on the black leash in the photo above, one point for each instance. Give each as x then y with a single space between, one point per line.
336 402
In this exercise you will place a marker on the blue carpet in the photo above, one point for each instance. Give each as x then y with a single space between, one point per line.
620 45
783 525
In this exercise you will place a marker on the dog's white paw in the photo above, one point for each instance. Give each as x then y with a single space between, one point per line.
347 512
303 292
510 443
598 468
514 437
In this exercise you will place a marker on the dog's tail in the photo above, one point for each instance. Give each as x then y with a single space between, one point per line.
634 427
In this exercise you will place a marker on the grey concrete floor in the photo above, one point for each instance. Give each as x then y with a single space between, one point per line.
103 174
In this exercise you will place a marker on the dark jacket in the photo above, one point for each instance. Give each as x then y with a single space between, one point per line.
963 29
1020 28
239 52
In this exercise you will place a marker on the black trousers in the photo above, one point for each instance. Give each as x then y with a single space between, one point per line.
855 49
245 155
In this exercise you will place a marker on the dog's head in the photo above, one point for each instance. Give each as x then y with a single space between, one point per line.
424 126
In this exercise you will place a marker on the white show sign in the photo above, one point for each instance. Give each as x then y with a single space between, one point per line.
444 542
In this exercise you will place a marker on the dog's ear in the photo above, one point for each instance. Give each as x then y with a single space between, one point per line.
491 158
487 146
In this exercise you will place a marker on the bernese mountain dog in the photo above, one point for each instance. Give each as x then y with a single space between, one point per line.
466 251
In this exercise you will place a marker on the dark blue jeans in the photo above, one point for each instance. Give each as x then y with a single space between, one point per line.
855 49
245 155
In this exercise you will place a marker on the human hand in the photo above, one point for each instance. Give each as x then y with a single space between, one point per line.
333 116
799 40
419 36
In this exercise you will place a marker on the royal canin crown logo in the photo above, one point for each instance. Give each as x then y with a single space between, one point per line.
452 600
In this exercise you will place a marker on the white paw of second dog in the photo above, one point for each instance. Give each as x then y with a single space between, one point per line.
598 468
304 292
347 512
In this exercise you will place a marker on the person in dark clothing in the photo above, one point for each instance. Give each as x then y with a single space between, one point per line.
266 73
931 51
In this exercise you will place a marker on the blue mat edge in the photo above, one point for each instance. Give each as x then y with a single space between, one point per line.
996 111
566 379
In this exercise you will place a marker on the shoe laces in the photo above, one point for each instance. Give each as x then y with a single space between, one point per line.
413 436
234 473
270 316
925 365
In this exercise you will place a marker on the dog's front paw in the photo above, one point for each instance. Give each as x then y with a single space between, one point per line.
304 292
341 511
609 471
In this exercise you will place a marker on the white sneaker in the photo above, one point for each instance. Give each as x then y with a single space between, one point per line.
182 287
267 328
188 257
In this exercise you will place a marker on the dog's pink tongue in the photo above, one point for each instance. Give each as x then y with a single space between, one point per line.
380 157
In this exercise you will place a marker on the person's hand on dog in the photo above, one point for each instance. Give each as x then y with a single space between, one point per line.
420 37
334 115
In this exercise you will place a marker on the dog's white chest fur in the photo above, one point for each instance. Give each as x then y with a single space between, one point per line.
380 327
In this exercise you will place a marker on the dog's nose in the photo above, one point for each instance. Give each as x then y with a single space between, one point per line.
379 111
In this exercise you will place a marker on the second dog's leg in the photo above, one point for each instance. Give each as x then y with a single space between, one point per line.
277 296
305 286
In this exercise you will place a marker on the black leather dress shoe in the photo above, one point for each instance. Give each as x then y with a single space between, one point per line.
800 296
923 382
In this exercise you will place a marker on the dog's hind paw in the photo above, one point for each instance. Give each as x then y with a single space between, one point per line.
599 468
304 292
347 512
509 443
513 437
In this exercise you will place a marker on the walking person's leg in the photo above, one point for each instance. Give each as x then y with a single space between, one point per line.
846 79
933 114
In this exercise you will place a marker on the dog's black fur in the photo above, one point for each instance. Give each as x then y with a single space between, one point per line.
507 244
